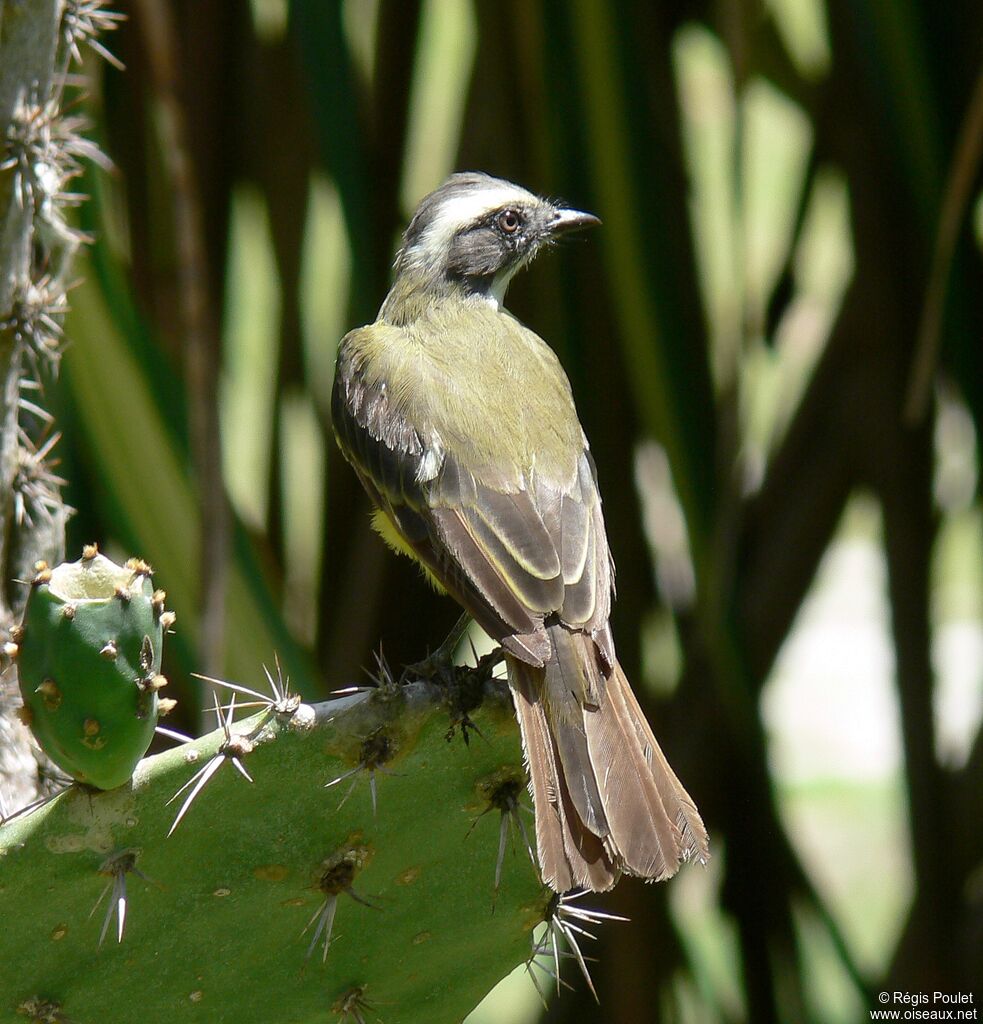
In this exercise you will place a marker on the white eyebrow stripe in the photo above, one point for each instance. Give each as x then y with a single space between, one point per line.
459 211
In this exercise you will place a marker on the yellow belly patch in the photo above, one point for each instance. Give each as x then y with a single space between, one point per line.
389 532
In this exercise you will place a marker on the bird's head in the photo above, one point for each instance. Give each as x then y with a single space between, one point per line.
478 231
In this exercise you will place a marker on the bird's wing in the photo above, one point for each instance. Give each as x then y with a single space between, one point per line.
513 545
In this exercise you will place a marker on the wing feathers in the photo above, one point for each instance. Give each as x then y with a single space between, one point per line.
516 522
453 536
536 593
575 530
580 597
457 487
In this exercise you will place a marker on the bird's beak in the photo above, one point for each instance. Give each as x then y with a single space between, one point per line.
571 220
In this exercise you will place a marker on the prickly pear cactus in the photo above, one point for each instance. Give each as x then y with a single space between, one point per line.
88 659
334 862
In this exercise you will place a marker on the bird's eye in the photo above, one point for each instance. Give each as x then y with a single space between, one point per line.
509 221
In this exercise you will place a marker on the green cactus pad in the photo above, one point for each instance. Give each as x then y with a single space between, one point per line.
215 922
88 662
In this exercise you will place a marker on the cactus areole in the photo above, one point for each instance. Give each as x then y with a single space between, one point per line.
89 665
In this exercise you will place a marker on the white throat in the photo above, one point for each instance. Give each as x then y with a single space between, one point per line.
495 296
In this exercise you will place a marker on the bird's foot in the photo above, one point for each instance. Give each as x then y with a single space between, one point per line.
439 665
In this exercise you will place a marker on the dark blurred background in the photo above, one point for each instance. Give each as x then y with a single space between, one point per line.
775 342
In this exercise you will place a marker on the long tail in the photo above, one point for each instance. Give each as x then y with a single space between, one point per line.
606 800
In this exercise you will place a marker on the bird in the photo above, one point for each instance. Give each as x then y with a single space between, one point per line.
461 425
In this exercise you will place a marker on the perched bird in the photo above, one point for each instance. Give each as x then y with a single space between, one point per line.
461 424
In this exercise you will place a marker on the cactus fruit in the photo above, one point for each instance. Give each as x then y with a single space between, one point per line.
88 657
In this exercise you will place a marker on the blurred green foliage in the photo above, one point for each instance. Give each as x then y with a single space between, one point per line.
782 312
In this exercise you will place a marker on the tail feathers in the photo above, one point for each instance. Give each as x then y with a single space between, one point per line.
568 674
654 823
606 800
695 844
570 855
